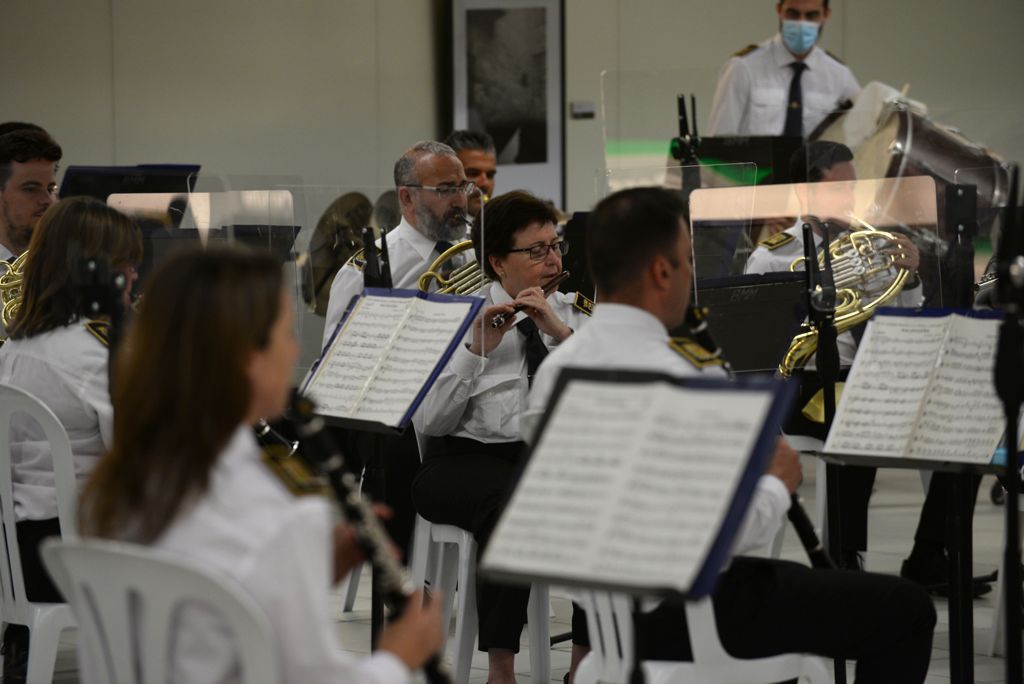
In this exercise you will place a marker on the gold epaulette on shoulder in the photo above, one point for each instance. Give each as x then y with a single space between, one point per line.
583 304
292 471
693 352
100 330
745 51
358 260
777 240
834 57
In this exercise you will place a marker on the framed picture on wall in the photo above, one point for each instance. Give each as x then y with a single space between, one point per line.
507 62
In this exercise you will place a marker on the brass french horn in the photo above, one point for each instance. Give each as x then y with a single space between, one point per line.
866 274
11 276
463 280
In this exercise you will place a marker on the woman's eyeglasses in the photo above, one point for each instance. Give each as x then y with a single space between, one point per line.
540 252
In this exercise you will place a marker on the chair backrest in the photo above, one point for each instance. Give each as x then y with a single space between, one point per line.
13 603
610 627
127 597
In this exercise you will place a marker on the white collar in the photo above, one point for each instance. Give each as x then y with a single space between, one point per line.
644 323
420 243
783 57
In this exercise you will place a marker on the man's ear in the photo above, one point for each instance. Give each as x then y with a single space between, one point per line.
404 197
660 272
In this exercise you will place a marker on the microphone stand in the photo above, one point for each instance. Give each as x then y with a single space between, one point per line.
1009 383
821 301
685 147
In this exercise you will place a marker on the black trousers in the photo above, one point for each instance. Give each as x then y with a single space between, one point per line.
766 607
856 483
38 587
465 483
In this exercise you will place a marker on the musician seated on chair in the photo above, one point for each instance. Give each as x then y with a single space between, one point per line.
640 256
59 355
185 474
830 164
432 193
472 412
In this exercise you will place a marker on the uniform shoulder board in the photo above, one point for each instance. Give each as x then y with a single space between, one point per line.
693 352
834 57
292 471
777 240
745 51
100 330
358 260
583 304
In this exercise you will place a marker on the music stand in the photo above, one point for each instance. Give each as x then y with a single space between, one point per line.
773 304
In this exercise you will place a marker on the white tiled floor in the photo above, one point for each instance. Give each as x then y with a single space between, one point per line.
893 518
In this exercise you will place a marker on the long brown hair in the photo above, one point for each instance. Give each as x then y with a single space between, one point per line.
71 231
181 387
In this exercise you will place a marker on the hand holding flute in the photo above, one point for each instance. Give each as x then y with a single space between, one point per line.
532 301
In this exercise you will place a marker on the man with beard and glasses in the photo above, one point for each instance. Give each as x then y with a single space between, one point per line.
28 185
432 195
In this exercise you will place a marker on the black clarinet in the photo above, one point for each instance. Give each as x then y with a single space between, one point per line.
319 450
697 325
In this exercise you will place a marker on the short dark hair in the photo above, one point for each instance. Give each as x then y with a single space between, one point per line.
10 126
809 163
626 230
460 140
779 2
25 144
501 219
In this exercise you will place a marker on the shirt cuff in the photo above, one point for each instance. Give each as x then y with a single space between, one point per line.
773 487
387 668
466 364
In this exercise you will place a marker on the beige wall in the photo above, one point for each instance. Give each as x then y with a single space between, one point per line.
332 90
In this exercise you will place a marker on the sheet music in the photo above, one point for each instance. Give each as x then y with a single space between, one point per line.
629 483
921 387
383 355
883 394
962 418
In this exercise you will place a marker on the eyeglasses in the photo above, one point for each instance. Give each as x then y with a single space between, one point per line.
540 252
447 191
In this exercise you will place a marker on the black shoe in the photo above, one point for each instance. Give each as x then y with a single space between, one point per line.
15 652
931 571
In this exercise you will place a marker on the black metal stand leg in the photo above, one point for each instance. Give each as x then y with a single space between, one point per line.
835 539
375 476
961 593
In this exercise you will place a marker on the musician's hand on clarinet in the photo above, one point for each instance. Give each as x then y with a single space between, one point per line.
417 635
537 308
485 336
785 465
347 554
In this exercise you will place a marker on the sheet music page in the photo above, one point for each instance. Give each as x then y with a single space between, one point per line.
414 354
962 418
629 484
383 355
885 390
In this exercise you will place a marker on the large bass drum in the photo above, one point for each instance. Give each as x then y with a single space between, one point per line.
905 143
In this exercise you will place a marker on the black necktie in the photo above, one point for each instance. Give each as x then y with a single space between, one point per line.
535 348
795 103
442 246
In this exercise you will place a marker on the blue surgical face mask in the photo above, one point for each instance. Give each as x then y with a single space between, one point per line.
799 36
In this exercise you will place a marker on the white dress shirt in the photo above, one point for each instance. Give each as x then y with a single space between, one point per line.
277 546
753 89
625 337
410 253
765 260
66 369
483 397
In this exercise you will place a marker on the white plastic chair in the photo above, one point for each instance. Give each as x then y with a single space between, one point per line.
45 621
126 598
445 555
610 624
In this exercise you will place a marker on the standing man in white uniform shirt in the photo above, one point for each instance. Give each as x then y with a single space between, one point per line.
786 85
433 194
28 185
639 253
